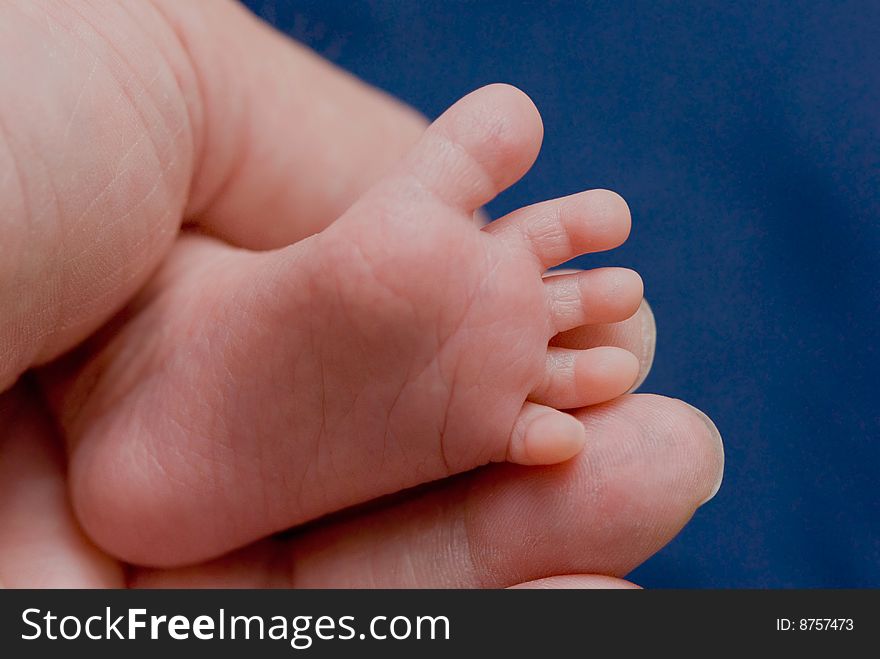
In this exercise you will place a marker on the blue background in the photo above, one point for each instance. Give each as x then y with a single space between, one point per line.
745 138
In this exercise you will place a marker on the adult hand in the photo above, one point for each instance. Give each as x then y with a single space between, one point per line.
120 123
651 462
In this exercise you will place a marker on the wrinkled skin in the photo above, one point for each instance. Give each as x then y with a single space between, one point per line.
131 120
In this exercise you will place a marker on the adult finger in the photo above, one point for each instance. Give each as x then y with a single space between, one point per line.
118 120
652 462
41 545
289 141
577 582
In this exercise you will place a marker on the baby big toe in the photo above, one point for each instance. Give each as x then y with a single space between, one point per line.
477 148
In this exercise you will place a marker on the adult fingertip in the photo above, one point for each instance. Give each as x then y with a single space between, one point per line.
715 438
577 582
649 343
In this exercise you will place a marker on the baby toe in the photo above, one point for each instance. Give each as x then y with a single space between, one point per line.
477 148
543 435
561 229
603 295
577 378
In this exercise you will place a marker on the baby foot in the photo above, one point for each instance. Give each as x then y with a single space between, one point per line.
400 345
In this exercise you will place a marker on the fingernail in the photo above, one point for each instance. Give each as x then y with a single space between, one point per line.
713 431
649 345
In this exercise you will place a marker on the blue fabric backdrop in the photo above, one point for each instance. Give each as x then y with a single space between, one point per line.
745 138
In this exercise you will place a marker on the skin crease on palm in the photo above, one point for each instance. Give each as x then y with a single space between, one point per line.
88 225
